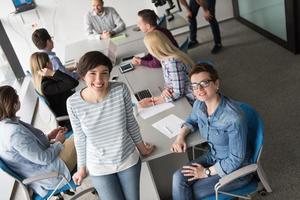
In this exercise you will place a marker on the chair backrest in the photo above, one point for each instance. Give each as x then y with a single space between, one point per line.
9 171
45 118
255 135
162 22
184 46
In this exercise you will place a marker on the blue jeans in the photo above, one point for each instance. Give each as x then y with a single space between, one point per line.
119 186
194 7
182 189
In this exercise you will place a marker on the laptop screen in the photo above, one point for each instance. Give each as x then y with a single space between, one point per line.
23 5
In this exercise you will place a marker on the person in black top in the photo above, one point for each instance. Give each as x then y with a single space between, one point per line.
55 86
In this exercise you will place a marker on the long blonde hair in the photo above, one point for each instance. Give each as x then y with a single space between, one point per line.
38 61
159 45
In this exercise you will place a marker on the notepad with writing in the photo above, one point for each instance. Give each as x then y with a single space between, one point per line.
169 126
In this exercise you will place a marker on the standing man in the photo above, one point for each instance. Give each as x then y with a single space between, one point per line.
103 22
147 22
208 7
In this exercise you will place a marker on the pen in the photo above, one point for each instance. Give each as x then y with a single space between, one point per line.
152 99
168 130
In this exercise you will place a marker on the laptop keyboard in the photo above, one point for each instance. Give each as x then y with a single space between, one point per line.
142 94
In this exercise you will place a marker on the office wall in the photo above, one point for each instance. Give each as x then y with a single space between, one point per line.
64 20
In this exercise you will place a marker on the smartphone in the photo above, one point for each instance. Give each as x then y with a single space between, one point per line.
127 58
126 68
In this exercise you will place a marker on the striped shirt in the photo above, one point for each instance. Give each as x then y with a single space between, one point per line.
109 20
105 133
176 76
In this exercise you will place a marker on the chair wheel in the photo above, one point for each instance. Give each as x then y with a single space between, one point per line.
58 197
94 192
69 192
263 192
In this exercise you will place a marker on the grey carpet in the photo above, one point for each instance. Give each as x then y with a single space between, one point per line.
255 70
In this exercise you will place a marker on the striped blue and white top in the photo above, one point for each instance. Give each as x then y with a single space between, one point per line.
105 133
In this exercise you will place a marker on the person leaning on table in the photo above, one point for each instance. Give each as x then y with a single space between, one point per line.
106 133
176 66
147 22
102 22
28 151
222 123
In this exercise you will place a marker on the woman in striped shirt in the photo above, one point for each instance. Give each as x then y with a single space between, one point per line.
106 133
176 66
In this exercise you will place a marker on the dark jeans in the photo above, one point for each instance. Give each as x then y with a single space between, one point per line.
194 7
182 189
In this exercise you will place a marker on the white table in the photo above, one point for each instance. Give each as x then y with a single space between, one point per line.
75 50
157 169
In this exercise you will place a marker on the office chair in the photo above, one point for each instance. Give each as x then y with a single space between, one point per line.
162 22
184 46
255 138
24 182
48 116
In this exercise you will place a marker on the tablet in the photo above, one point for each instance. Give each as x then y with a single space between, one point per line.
126 68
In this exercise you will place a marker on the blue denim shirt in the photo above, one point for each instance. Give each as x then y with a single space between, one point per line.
57 65
27 151
225 131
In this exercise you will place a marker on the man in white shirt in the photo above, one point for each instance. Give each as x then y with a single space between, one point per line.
103 22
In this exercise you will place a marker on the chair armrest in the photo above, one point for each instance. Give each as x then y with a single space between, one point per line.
81 193
40 177
62 118
237 174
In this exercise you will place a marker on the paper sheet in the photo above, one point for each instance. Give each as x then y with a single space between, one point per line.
169 125
118 37
153 110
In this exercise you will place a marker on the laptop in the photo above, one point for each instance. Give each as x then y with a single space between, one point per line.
23 5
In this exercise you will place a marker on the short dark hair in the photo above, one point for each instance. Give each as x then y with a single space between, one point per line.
91 60
8 99
40 37
204 67
148 16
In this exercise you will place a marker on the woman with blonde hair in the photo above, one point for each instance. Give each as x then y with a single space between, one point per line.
176 66
55 86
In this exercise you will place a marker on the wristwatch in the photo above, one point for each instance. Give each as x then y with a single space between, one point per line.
207 172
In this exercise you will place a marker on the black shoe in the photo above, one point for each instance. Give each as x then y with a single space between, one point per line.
217 48
69 192
192 44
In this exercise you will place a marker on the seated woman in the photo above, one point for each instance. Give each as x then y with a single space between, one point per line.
222 123
106 133
176 66
55 86
28 150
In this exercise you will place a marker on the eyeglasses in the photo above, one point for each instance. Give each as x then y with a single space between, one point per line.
201 85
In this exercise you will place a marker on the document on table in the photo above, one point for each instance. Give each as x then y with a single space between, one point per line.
118 37
153 110
169 125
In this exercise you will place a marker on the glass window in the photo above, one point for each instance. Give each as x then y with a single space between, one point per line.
6 74
268 15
